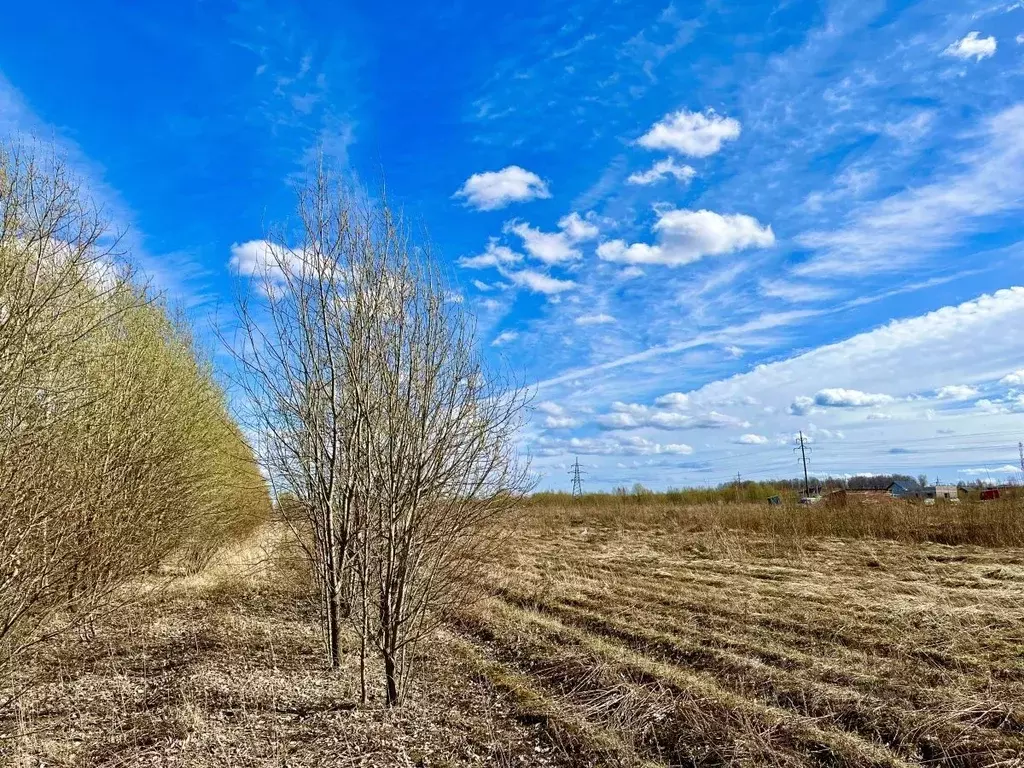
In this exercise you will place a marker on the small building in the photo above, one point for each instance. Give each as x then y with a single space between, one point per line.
901 489
942 492
990 494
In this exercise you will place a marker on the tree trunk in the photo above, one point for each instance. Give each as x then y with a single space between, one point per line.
391 674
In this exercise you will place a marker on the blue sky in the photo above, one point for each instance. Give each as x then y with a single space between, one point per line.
694 228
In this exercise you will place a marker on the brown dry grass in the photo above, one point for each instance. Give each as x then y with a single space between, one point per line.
720 636
667 637
990 523
225 668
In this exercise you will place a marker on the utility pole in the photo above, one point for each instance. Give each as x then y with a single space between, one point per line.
577 479
1020 447
803 458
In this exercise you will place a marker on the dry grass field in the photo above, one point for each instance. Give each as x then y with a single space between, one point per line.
627 639
662 639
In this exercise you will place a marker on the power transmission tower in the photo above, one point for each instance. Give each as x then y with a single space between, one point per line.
803 458
577 479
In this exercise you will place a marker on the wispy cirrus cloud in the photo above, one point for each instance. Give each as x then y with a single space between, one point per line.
538 282
900 231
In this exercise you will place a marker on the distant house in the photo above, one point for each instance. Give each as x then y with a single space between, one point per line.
942 492
903 489
990 494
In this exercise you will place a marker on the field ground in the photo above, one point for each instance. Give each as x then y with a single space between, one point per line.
606 645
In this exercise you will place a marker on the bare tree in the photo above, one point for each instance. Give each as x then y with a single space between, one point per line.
363 376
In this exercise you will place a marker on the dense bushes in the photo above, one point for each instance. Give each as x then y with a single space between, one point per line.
116 450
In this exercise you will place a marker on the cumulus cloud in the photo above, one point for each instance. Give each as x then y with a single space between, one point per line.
838 397
751 439
686 236
578 228
972 46
661 170
555 416
1012 403
504 338
538 282
956 392
673 400
1015 379
666 414
494 255
555 247
598 319
495 189
802 405
261 258
697 134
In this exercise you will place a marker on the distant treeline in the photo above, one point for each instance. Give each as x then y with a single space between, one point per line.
746 490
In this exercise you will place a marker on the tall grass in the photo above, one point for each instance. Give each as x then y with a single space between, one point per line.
985 523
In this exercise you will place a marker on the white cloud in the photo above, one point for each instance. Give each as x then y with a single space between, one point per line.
802 405
556 417
686 236
261 258
494 256
673 400
751 439
898 232
912 128
480 285
538 282
560 422
550 407
1006 469
555 247
549 247
1020 39
956 392
796 291
578 228
837 397
698 134
598 319
1015 379
504 337
1012 403
972 46
661 169
665 415
496 189
628 445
